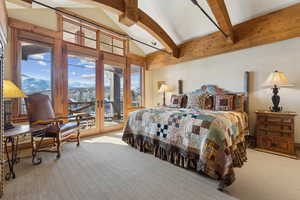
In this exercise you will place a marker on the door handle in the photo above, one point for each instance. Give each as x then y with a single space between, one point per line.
100 104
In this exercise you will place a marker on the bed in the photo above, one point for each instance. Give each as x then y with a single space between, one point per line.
210 141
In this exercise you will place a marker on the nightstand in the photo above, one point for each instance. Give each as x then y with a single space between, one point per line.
275 133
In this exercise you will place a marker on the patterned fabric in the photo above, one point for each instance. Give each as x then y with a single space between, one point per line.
238 102
193 101
176 101
206 101
184 101
208 141
200 101
224 102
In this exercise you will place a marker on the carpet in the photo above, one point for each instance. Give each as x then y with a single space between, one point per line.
108 169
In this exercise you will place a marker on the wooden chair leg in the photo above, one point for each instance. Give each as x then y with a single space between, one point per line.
78 137
58 143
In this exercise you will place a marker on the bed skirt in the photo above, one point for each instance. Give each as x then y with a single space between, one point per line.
189 160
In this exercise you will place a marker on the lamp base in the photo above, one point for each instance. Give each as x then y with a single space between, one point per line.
275 109
275 100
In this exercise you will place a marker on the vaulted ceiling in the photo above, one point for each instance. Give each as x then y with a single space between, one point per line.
180 19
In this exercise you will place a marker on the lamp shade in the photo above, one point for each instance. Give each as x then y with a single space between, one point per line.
11 90
278 79
163 88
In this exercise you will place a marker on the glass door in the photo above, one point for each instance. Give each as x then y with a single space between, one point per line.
113 96
82 97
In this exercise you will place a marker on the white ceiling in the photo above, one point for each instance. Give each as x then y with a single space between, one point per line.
181 19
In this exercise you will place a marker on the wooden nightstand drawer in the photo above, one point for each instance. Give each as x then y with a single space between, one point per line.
283 145
275 143
275 133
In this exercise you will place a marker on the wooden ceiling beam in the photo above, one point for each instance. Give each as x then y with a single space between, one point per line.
156 31
130 15
276 26
143 20
220 12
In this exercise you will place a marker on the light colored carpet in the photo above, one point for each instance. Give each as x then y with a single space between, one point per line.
106 168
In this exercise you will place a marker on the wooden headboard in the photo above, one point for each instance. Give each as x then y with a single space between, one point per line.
213 90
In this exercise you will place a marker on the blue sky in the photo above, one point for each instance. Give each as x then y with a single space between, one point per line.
80 71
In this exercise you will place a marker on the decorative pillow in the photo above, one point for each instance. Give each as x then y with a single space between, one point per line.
184 101
200 101
206 101
238 102
224 102
193 101
176 101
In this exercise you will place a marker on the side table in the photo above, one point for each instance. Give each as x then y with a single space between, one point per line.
11 136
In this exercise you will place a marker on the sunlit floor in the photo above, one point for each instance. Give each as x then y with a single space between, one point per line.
105 167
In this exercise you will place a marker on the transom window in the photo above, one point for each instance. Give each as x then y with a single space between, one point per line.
83 34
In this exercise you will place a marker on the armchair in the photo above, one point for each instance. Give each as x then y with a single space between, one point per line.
40 112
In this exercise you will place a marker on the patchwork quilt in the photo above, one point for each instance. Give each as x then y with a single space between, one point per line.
211 142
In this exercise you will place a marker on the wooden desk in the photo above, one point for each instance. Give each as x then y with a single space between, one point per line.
12 136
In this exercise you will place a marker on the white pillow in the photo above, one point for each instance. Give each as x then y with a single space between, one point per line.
193 101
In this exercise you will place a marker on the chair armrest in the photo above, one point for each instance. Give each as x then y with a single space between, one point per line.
77 118
46 122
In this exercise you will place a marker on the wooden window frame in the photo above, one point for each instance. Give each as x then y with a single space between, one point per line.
139 61
24 30
17 37
99 33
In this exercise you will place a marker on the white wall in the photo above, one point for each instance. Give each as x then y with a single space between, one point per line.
227 72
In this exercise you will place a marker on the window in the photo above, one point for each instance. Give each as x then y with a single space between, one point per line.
83 34
82 88
136 85
111 44
36 70
78 33
113 95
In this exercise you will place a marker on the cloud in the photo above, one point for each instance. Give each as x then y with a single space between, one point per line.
74 73
42 63
90 66
45 70
88 76
37 56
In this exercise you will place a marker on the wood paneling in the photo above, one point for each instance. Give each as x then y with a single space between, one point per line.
280 25
219 9
136 59
14 23
130 15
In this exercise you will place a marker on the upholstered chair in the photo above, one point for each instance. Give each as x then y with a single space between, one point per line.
40 112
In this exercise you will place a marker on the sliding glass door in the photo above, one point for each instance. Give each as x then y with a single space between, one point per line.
113 90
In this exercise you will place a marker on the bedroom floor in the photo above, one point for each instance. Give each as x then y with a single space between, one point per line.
106 168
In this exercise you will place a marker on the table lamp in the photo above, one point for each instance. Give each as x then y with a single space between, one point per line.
163 89
276 80
10 91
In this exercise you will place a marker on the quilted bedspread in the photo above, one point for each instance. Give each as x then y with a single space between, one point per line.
211 142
